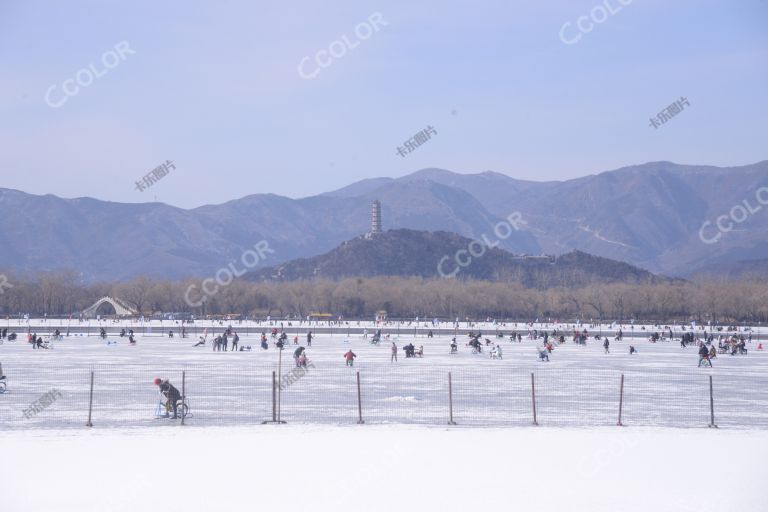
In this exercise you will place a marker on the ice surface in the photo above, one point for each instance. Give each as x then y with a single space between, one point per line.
578 387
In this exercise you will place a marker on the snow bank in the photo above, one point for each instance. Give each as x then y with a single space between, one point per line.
376 468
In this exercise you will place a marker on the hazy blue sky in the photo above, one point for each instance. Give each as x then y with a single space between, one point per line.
215 87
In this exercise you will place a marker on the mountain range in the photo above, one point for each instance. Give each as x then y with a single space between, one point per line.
649 215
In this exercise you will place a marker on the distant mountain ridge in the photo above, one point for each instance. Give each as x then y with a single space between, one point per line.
648 215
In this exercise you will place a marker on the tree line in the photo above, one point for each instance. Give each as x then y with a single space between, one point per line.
64 294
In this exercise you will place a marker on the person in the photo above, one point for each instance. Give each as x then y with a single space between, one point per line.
200 343
297 354
303 360
224 341
499 352
103 333
309 338
632 350
171 395
393 357
704 356
420 351
235 340
712 352
606 344
454 346
264 344
350 357
543 355
131 340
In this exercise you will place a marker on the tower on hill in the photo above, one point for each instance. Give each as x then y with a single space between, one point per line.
375 219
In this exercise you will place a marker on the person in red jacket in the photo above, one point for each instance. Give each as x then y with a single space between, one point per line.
350 357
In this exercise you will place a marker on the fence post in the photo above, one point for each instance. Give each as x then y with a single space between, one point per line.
274 397
533 400
359 402
90 403
621 400
280 379
183 394
450 400
711 405
274 401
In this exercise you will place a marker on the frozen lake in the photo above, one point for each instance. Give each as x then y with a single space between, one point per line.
579 386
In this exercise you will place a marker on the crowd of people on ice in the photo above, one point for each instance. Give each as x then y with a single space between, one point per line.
709 344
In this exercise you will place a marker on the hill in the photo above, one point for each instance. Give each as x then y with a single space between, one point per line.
409 253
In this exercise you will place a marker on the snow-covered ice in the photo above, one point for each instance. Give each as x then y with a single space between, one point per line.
578 387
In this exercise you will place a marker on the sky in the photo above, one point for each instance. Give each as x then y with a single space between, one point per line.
301 97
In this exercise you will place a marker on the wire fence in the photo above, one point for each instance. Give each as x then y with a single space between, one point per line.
220 395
